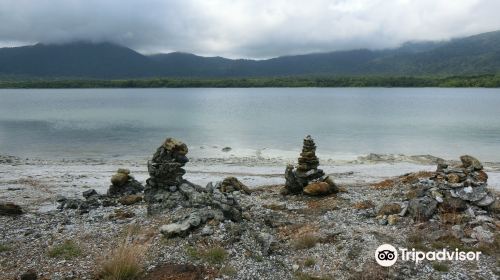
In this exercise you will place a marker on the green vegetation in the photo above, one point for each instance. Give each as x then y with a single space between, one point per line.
305 242
4 248
213 255
441 267
309 262
489 81
66 250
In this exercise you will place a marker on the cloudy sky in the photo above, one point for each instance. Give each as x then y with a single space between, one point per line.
244 28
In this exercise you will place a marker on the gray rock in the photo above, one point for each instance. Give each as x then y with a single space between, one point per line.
472 194
207 230
89 193
265 240
482 235
172 230
487 200
457 231
422 208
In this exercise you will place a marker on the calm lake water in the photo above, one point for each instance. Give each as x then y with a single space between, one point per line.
344 121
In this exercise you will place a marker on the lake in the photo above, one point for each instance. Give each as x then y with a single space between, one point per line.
345 122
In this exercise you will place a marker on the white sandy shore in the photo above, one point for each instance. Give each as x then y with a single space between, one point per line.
34 183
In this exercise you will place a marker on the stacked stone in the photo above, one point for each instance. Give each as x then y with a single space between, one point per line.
308 162
453 189
166 189
165 169
307 178
122 183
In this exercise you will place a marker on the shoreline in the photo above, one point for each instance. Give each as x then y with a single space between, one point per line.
22 179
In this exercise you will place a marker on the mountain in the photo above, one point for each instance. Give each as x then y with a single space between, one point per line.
479 54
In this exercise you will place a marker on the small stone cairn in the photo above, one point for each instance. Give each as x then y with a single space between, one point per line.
122 183
166 190
307 178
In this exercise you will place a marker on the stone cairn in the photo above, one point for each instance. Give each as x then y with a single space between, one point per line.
122 183
166 190
123 189
307 178
459 195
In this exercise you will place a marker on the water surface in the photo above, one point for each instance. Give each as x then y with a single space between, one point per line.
344 121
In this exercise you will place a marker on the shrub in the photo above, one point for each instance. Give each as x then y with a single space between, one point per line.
309 262
123 264
215 255
305 242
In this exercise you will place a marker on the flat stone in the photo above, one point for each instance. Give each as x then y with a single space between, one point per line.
487 200
472 194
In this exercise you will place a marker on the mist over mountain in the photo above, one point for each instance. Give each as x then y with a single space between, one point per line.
479 54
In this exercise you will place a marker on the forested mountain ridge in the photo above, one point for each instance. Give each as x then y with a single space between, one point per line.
479 54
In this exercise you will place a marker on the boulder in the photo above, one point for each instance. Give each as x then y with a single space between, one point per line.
88 193
119 179
471 162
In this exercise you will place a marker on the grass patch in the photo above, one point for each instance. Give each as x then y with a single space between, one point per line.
441 267
228 271
66 250
305 276
4 248
309 262
123 264
417 241
305 242
491 249
213 255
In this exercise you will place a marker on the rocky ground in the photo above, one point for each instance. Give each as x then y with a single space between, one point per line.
278 236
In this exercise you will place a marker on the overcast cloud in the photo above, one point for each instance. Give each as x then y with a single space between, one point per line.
244 28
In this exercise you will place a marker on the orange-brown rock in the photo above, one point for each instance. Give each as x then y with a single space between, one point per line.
389 209
453 178
130 199
318 188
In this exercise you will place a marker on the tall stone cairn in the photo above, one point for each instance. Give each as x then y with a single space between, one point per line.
307 178
166 189
165 169
308 162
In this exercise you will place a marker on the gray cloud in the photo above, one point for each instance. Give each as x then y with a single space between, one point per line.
244 28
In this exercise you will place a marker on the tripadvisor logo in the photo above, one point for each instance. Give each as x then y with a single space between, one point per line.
387 255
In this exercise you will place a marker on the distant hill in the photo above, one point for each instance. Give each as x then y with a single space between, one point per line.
479 54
